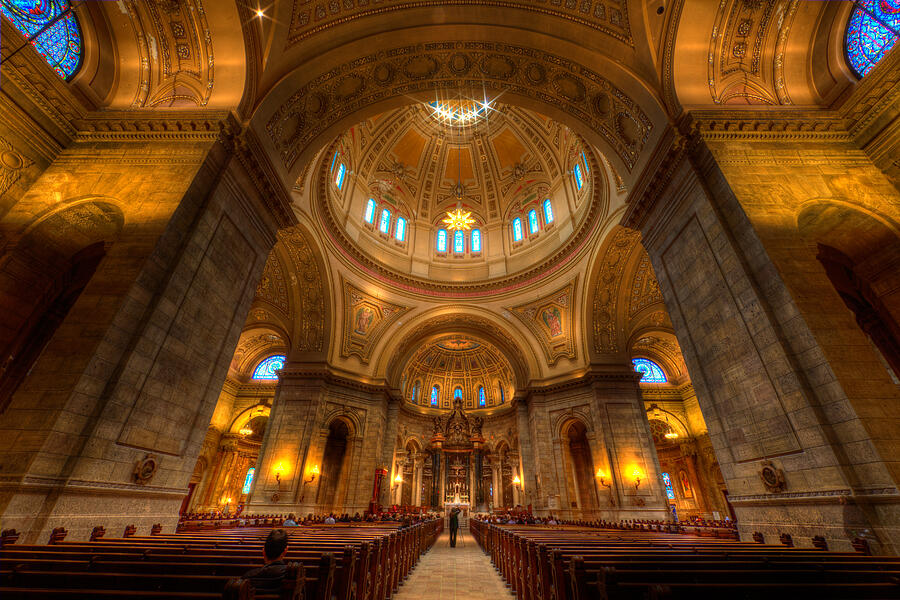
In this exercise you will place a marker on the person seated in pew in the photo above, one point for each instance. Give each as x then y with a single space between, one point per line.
269 577
291 521
329 520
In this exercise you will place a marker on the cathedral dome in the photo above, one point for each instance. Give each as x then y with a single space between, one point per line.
458 367
520 185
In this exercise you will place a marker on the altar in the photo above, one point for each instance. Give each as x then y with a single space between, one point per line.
457 461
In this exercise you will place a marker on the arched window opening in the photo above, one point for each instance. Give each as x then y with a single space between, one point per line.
267 368
415 392
459 242
517 229
652 372
502 395
587 168
339 178
370 211
435 395
442 240
384 222
334 161
548 211
248 480
476 240
457 394
579 179
52 29
400 229
667 481
871 33
532 221
482 399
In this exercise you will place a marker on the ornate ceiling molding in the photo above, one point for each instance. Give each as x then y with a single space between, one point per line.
547 78
365 320
607 16
551 319
310 289
272 288
606 293
644 287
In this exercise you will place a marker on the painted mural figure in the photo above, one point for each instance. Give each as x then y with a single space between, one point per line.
364 318
686 485
553 321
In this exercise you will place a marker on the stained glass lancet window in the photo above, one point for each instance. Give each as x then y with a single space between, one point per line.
667 481
248 480
400 229
476 240
502 395
339 178
579 181
548 211
385 220
52 28
442 240
652 372
370 211
532 221
457 394
459 242
482 400
517 229
434 395
266 369
872 30
415 393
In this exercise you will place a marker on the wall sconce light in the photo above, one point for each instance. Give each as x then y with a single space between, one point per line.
602 477
279 469
637 475
517 481
397 481
313 473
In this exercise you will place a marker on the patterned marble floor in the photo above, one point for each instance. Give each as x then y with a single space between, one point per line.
461 573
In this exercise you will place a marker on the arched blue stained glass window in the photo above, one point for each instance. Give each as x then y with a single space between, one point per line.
587 169
517 229
339 178
651 371
384 222
52 28
333 161
476 240
457 394
872 31
532 221
434 395
502 395
400 229
370 211
579 181
667 481
459 242
266 369
248 480
482 399
442 240
415 392
548 211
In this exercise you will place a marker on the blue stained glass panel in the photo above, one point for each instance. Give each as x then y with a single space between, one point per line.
442 240
266 369
248 480
52 28
502 395
334 160
415 392
370 211
459 242
339 178
400 229
532 221
871 33
385 221
517 229
579 181
457 394
667 481
652 372
548 211
434 395
587 169
482 400
476 240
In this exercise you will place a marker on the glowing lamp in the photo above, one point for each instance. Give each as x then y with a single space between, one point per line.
279 471
637 475
517 481
313 473
259 14
602 477
398 478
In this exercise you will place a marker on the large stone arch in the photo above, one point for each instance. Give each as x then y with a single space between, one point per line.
616 111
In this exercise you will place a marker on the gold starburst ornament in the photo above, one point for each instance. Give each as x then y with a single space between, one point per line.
459 220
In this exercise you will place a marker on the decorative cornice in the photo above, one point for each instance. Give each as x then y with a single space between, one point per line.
818 497
134 126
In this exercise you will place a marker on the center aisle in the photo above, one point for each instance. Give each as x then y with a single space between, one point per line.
460 573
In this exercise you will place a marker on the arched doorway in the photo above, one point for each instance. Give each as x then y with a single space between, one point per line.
580 469
334 459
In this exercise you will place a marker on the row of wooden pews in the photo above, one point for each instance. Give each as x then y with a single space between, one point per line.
575 563
328 562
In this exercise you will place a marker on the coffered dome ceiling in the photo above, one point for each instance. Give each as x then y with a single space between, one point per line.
419 163
458 365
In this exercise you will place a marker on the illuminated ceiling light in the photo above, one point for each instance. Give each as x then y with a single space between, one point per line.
245 431
671 435
459 112
459 220
259 13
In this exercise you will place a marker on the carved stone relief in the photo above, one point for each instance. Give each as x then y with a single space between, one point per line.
308 283
609 278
